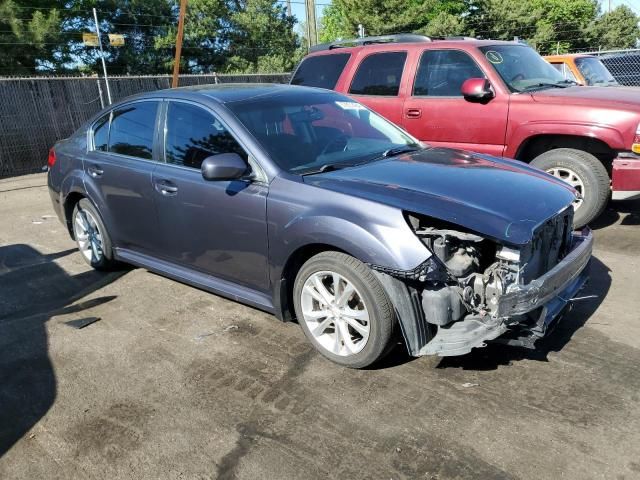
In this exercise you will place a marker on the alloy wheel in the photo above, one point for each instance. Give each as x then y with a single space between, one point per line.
335 313
88 235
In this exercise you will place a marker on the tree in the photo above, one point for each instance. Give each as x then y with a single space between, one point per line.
29 33
261 37
141 22
379 17
548 25
618 29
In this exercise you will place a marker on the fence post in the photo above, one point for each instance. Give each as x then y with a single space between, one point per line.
100 93
104 65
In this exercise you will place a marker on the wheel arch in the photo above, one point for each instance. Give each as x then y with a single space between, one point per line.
70 202
537 144
284 285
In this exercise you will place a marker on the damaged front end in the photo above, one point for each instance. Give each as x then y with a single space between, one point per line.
474 289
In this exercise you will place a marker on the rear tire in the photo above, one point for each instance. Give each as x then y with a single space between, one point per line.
583 171
343 310
91 236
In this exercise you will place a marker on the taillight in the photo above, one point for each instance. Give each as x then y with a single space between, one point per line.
52 157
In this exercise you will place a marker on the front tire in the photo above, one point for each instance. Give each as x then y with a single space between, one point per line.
343 309
91 236
585 173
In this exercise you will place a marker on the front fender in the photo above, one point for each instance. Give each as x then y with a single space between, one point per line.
526 131
301 215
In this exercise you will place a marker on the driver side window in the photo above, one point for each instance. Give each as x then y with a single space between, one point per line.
193 134
441 73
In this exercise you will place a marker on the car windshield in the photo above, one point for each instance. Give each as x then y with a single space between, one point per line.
523 69
308 132
594 71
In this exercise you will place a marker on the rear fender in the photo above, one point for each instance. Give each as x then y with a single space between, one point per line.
79 182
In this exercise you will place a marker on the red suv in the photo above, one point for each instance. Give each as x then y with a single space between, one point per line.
494 97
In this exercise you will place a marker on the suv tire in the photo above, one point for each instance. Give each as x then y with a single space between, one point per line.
590 174
354 327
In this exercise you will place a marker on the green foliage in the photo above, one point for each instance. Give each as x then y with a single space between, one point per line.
618 29
381 17
28 33
261 34
248 36
555 25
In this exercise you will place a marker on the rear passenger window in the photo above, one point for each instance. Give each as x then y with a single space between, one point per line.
379 74
194 134
132 128
322 71
101 133
441 73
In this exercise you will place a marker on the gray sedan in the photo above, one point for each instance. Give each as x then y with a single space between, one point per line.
306 204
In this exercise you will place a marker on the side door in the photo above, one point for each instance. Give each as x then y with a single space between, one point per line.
118 168
376 83
216 227
436 112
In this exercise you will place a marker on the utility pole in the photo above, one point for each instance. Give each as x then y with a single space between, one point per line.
104 65
312 33
288 8
180 35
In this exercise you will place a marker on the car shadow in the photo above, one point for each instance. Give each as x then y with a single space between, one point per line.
628 211
33 289
494 355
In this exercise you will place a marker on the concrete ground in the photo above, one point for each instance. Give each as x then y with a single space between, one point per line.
172 382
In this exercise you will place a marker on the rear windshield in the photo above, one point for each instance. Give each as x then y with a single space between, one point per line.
594 71
321 71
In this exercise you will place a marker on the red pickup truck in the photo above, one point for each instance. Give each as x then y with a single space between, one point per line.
493 97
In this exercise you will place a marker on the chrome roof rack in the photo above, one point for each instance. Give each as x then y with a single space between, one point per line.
358 42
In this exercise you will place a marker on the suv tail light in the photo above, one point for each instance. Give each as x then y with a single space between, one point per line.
52 157
635 147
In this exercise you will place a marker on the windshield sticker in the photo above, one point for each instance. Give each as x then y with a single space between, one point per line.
350 106
493 56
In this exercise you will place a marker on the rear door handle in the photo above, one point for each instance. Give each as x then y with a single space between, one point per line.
413 113
95 171
165 187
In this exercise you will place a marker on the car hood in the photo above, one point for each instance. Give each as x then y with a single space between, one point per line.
502 199
609 97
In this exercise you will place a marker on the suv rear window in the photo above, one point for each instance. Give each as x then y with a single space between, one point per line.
379 74
322 71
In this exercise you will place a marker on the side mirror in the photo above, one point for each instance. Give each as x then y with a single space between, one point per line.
477 90
225 166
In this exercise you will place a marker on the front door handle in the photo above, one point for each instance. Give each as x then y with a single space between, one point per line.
413 113
165 187
95 171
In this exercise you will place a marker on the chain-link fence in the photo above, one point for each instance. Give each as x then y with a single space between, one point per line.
36 112
624 65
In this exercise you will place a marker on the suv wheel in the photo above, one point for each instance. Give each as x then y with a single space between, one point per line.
91 236
343 309
585 173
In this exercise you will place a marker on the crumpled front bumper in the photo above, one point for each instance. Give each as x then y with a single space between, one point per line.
557 287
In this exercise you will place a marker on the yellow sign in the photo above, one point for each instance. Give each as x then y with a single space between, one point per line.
90 39
116 40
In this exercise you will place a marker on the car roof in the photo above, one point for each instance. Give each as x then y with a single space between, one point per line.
568 55
227 92
432 44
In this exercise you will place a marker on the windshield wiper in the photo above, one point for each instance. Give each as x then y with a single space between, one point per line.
542 85
398 150
328 167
